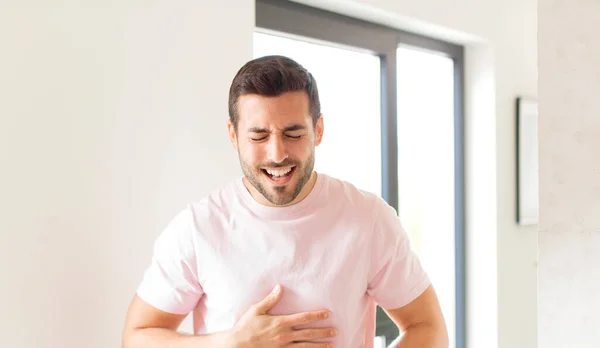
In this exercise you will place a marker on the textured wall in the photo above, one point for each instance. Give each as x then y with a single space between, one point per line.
569 236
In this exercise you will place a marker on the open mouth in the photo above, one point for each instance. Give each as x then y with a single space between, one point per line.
279 176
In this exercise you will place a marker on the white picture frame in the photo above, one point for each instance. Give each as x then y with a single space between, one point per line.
527 161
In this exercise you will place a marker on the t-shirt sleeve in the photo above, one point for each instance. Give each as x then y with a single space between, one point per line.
396 276
170 283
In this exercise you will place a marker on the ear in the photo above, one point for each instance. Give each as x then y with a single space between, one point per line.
319 130
232 134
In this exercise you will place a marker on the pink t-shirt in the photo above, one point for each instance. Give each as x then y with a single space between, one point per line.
340 249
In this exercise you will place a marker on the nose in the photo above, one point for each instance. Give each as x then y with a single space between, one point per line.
276 149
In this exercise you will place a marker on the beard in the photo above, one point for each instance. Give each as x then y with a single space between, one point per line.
284 194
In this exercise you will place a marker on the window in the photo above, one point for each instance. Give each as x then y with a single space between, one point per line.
426 166
407 105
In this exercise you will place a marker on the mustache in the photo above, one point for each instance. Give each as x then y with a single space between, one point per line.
285 163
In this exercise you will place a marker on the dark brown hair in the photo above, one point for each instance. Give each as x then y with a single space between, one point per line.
272 76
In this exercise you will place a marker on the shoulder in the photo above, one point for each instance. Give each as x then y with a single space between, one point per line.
365 208
354 197
215 207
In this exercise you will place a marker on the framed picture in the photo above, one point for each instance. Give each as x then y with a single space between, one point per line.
527 161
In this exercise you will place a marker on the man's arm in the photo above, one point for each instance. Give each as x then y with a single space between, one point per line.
421 322
148 327
168 292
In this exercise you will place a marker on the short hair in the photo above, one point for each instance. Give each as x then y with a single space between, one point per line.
272 76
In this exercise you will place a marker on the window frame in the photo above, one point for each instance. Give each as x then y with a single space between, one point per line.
305 21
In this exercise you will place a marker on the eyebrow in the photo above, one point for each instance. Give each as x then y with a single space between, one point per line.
291 128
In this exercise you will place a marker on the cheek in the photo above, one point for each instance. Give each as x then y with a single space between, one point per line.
252 154
300 149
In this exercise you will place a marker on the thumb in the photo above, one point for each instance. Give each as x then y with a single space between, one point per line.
270 301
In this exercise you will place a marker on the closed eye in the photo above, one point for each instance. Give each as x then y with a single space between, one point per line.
294 136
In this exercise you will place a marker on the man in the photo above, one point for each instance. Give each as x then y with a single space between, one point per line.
284 256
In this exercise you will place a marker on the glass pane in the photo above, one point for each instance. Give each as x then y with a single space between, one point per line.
349 88
426 166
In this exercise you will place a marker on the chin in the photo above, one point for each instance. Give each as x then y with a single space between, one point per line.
280 195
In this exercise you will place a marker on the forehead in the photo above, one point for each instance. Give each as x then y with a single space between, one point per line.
257 110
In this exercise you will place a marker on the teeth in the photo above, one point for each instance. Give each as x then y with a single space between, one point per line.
279 172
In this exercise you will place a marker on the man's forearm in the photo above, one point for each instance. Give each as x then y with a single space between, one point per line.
165 338
423 336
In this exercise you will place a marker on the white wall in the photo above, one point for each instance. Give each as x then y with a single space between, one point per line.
112 118
569 238
500 37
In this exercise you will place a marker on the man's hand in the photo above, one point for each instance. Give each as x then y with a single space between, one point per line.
149 327
258 329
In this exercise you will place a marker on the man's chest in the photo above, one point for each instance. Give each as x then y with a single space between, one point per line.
317 269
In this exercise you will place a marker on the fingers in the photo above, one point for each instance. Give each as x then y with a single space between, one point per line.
311 334
270 301
306 317
310 345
